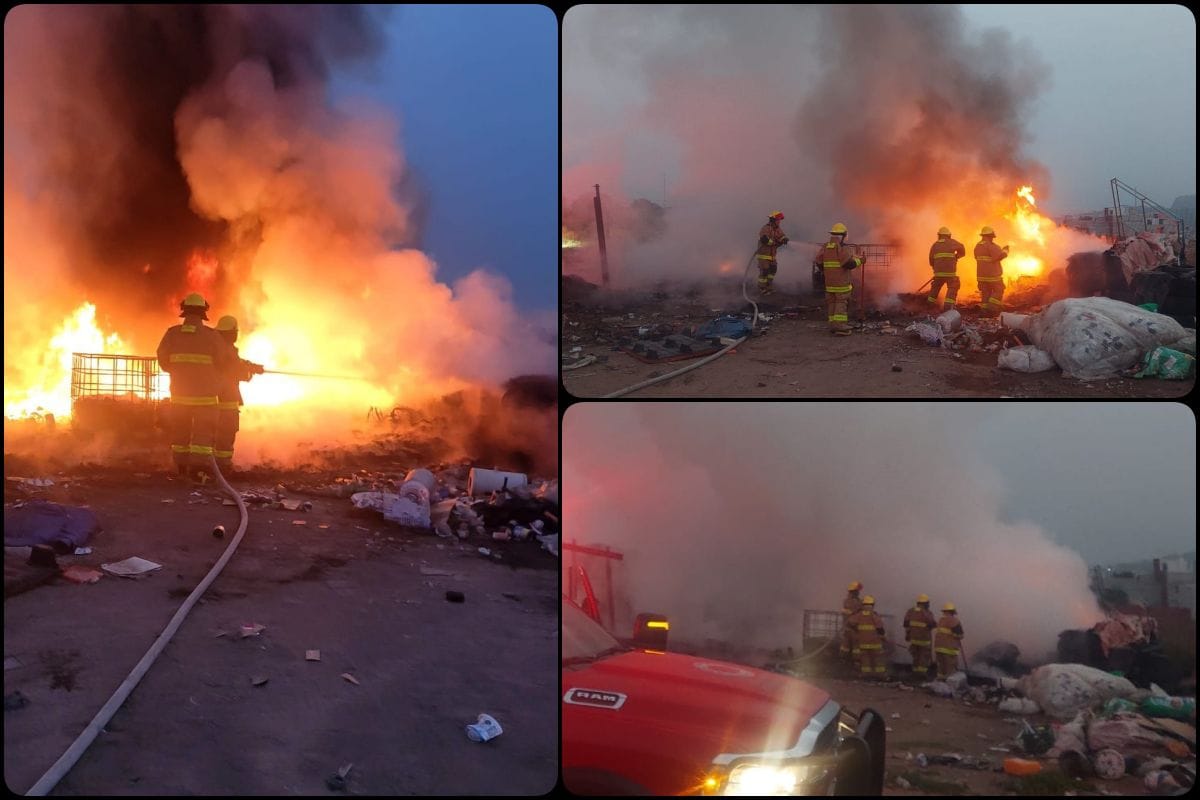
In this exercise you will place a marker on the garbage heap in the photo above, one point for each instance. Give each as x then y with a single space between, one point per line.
1101 725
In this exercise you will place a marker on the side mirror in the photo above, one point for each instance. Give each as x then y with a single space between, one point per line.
650 631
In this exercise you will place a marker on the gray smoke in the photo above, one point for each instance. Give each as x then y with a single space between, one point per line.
734 518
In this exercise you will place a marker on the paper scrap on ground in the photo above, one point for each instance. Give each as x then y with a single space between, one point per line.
131 567
312 655
350 678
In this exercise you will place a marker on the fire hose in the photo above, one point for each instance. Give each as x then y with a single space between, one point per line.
68 759
707 359
314 375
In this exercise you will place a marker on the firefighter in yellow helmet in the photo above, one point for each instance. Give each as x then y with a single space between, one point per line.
229 398
943 257
194 355
837 259
947 640
866 627
850 606
770 238
989 271
919 623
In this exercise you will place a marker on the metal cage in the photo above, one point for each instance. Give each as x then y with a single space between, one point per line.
135 378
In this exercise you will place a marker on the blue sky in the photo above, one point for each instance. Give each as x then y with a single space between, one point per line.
476 92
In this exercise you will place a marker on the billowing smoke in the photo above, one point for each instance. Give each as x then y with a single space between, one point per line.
894 119
156 150
734 518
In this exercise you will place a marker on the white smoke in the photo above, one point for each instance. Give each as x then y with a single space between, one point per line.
735 517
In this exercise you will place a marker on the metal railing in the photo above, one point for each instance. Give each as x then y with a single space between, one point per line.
121 377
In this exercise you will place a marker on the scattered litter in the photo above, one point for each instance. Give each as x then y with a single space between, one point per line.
337 781
40 522
895 715
484 729
167 502
501 535
927 332
1168 364
549 543
1025 358
251 629
228 502
80 574
903 784
1019 705
15 700
1036 741
347 676
1161 782
395 508
455 597
37 483
940 688
131 567
323 525
999 749
1173 707
299 522
312 655
433 572
83 551
949 321
218 531
1109 764
1123 734
1021 766
483 551
258 680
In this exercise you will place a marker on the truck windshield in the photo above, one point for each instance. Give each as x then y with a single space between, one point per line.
583 639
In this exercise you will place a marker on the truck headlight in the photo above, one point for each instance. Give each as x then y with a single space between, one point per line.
772 779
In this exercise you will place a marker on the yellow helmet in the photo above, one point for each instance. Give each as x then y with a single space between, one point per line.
987 231
949 607
194 303
838 228
855 586
943 231
776 215
868 601
227 323
922 598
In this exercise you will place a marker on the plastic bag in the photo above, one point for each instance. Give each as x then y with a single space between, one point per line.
1171 365
928 333
1174 707
1025 358
1062 690
1096 337
1123 734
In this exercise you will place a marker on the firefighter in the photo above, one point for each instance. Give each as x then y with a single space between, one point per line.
837 259
990 272
866 628
943 257
946 641
918 623
770 239
850 606
229 394
193 354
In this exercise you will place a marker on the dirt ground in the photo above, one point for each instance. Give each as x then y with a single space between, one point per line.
935 725
794 355
358 590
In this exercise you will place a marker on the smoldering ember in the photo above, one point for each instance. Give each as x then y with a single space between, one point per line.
711 157
281 503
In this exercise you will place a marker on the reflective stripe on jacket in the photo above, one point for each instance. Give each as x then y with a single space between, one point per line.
944 255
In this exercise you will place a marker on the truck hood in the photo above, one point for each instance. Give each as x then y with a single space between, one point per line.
675 714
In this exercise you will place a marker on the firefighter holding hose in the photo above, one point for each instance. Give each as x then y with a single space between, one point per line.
866 628
947 641
943 257
918 622
989 271
837 259
194 355
850 607
229 394
770 238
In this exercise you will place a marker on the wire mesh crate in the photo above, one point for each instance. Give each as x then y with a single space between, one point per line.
117 391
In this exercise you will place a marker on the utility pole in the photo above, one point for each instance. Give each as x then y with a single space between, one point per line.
600 237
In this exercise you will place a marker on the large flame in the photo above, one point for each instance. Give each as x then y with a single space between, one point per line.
569 240
46 385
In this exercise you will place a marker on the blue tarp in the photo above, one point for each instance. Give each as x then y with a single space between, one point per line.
724 327
43 522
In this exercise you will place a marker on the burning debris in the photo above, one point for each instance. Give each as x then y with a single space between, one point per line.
227 169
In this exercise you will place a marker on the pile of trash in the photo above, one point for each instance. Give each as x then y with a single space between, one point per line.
1098 337
1104 726
948 330
502 505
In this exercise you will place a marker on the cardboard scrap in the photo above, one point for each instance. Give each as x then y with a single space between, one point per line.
252 629
299 522
312 655
131 567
